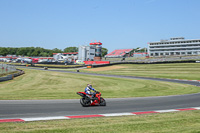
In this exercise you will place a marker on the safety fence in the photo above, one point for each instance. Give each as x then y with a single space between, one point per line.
8 72
6 68
11 76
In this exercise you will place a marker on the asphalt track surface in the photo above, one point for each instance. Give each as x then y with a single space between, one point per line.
50 108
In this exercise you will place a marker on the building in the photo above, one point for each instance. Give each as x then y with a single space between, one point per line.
174 47
98 50
90 52
119 53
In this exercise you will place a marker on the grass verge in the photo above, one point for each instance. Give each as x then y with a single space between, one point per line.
190 71
37 84
176 122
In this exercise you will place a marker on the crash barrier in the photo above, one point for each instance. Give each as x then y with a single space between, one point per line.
54 63
78 66
11 76
154 62
55 66
130 62
96 62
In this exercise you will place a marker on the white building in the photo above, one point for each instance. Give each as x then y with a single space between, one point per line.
174 47
86 53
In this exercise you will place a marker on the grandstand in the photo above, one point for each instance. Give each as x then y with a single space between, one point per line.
119 53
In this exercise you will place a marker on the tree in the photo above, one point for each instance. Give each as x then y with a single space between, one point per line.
55 50
11 51
3 51
30 50
104 51
35 53
21 51
71 49
43 54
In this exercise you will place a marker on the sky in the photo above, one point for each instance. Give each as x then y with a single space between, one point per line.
118 24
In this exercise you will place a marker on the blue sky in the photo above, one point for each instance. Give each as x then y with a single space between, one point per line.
118 24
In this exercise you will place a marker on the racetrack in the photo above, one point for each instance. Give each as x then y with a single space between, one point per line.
47 108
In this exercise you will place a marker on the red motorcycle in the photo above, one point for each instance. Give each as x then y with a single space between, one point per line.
87 100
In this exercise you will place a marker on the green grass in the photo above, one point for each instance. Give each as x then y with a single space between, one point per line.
190 71
37 84
177 122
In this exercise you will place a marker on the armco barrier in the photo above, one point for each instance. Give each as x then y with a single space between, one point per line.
96 62
130 62
43 65
8 77
11 76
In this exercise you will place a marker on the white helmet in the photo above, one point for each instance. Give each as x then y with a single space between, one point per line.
89 85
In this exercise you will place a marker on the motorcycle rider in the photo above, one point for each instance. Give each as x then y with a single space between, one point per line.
88 90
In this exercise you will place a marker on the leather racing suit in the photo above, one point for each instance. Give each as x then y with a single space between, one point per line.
88 91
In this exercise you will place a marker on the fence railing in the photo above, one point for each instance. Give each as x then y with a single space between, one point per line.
6 68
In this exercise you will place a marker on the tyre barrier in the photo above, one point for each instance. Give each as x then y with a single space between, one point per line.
11 76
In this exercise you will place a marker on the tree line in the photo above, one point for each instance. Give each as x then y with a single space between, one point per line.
38 51
28 51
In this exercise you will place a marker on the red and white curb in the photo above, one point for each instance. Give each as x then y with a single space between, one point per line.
96 115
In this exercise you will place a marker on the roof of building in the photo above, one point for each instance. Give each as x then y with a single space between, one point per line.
96 43
118 53
178 39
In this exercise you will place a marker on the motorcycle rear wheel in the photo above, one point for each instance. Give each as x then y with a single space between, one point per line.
85 102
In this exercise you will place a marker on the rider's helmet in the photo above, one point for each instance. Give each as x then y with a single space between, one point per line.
89 86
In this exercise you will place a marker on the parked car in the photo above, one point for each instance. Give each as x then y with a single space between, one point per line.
61 60
80 62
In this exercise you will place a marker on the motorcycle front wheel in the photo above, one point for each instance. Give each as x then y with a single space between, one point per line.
85 102
102 102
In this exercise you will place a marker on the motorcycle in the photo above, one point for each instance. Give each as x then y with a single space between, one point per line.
87 100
